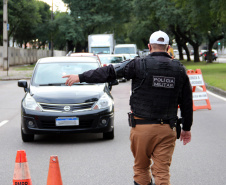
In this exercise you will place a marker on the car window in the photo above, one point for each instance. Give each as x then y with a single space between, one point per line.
110 59
100 50
51 73
129 50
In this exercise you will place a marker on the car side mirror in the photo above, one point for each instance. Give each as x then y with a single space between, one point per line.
23 83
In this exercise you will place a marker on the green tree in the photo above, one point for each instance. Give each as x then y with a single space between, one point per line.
142 23
98 16
42 30
155 15
65 31
203 21
23 19
28 21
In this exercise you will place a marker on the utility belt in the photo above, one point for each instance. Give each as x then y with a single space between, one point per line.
174 123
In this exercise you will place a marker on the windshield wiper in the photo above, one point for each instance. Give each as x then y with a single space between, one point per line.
63 84
53 84
84 84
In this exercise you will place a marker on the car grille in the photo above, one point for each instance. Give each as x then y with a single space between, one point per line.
66 107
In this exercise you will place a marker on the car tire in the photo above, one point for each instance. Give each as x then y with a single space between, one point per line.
27 137
108 135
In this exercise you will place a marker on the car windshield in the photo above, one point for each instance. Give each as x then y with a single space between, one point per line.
110 59
100 50
129 50
51 73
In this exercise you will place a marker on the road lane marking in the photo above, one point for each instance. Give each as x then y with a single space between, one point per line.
217 96
213 94
3 122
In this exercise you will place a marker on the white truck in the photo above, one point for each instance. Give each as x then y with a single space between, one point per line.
101 43
126 49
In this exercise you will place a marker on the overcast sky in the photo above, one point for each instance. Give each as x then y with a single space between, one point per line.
57 5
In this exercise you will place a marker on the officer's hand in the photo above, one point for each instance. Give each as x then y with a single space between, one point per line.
185 136
71 79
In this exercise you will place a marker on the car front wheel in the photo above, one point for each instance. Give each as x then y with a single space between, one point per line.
27 137
108 135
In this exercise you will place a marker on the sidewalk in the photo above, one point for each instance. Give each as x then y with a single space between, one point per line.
15 74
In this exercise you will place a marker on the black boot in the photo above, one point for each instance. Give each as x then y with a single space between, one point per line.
148 184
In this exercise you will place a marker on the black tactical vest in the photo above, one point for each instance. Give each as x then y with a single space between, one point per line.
156 91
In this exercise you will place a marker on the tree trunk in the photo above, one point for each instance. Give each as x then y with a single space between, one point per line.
71 46
79 47
190 41
187 52
209 54
179 44
212 40
196 53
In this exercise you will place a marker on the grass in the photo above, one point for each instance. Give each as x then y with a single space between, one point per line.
24 67
214 74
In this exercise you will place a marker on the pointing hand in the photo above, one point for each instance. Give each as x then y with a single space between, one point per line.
71 79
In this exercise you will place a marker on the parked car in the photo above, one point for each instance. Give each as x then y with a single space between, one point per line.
51 107
215 52
202 52
206 55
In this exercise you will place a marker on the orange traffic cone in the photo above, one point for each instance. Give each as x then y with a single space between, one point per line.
54 176
21 174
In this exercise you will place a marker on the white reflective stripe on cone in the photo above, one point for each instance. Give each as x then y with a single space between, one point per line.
21 171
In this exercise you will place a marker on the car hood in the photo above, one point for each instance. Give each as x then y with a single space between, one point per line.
66 94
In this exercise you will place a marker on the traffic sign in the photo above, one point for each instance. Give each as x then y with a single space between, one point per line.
196 80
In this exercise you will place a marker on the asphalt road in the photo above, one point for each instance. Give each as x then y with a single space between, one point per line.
87 159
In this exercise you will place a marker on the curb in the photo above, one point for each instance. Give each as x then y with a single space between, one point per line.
216 90
15 78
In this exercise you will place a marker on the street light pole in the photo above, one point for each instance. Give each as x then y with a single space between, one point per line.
5 37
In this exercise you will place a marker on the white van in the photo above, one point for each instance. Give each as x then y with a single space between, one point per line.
126 49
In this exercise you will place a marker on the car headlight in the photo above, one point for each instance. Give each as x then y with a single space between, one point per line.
30 103
104 102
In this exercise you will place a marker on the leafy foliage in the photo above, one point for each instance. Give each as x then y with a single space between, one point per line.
131 21
98 16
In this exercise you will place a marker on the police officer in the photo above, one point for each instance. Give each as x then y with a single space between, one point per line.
159 85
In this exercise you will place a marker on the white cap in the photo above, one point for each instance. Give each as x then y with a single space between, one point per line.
159 34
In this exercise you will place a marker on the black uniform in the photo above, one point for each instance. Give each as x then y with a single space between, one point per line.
159 84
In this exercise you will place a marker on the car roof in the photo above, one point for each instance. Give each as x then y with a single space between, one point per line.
125 45
111 55
81 54
67 59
